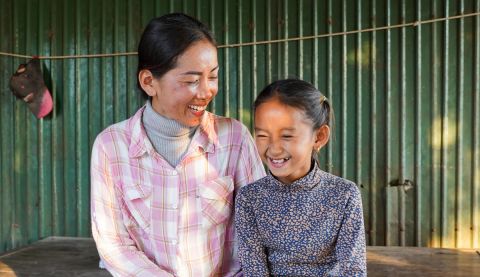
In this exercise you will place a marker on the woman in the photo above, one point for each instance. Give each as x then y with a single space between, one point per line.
163 181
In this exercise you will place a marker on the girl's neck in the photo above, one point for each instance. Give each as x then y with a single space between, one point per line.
312 166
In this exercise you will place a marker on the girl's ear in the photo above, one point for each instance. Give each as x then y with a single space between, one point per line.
146 80
322 135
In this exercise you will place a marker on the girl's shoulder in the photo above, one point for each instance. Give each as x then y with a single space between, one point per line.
336 183
256 188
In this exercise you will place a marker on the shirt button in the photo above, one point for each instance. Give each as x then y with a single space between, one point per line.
174 241
173 206
174 173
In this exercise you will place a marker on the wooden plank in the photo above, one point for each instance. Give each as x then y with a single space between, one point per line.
422 261
53 256
64 256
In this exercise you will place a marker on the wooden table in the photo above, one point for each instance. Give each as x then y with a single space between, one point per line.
61 256
422 261
53 256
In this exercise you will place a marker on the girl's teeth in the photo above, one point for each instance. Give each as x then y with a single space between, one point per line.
279 161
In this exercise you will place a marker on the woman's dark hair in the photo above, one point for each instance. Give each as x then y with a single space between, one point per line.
166 38
301 95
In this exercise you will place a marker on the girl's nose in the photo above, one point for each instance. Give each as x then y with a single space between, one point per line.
275 148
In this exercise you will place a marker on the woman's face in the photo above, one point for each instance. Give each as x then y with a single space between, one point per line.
184 92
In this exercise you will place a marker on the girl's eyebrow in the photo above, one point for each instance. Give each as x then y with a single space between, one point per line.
284 129
198 72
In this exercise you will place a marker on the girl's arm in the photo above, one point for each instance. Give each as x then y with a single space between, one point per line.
251 252
115 246
350 248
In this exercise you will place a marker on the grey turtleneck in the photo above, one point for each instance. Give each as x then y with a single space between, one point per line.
170 138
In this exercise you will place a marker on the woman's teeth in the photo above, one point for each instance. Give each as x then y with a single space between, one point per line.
197 108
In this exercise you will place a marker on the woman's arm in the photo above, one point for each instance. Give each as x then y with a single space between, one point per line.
114 244
350 249
248 169
249 166
251 252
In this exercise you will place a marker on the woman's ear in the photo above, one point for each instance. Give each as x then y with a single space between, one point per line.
322 135
146 80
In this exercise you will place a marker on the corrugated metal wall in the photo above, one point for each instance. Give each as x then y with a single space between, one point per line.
407 104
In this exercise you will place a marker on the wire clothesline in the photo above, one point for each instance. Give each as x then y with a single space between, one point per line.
253 43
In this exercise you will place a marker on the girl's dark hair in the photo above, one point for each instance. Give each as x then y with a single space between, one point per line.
303 96
166 38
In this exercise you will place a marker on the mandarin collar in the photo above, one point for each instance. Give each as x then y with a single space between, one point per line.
307 182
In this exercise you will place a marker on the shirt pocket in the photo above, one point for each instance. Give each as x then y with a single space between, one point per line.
137 199
216 198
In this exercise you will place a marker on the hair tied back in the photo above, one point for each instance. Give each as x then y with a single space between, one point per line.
323 98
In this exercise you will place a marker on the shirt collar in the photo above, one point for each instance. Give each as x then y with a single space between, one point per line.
307 182
139 143
205 137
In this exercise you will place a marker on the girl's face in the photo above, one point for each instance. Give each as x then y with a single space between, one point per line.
184 92
285 140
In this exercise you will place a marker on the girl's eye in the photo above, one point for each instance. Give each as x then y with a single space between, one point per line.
213 78
287 136
261 136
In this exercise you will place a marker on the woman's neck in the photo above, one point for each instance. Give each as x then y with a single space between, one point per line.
169 138
153 121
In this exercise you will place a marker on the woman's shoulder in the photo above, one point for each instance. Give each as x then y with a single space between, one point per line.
223 123
120 132
116 130
229 131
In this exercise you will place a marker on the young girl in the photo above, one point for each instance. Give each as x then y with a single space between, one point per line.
298 220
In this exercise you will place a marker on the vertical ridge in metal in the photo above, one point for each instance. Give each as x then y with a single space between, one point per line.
445 241
388 208
418 120
476 136
373 117
329 80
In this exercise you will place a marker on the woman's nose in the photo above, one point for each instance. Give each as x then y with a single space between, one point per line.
206 90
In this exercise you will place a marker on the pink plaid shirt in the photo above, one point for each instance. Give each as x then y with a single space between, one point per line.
150 219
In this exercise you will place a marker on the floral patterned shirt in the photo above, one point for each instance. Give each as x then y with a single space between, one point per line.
312 227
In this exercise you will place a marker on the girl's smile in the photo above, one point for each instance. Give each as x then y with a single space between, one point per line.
278 163
285 140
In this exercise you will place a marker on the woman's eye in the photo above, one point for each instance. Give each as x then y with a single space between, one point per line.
213 78
192 82
261 136
287 136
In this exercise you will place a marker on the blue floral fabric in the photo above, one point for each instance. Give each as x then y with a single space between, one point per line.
312 227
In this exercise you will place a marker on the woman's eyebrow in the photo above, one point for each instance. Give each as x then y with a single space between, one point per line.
198 72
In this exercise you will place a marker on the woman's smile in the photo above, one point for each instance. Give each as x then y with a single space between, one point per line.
183 93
